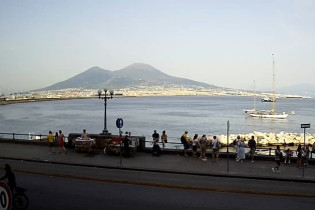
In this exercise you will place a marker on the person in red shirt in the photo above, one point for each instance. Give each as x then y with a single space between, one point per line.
62 142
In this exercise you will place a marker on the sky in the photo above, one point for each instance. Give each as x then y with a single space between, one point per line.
228 43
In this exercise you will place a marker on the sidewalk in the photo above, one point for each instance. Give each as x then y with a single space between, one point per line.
170 163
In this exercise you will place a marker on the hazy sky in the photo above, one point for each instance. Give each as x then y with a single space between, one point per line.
227 43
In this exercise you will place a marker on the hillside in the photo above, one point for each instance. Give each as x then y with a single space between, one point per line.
134 75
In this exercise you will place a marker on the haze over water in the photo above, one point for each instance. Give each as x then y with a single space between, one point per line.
142 115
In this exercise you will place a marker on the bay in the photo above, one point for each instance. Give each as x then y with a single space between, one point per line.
196 114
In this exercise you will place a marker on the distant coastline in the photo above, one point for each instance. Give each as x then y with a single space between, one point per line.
70 94
8 102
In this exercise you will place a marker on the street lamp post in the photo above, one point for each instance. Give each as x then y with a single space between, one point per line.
107 95
304 126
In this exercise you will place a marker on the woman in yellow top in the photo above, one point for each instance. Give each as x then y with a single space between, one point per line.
50 138
164 138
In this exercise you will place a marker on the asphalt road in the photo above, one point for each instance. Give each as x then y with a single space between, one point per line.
52 186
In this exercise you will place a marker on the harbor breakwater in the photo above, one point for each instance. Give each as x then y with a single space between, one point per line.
270 139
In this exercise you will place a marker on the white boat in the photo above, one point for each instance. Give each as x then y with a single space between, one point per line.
272 113
268 99
32 136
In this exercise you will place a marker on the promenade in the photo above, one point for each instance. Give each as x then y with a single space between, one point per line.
168 163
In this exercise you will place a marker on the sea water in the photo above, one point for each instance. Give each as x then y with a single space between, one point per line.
142 115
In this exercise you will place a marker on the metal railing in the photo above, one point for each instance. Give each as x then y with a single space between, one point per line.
176 146
263 151
22 136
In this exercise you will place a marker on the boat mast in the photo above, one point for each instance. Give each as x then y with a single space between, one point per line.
273 86
254 96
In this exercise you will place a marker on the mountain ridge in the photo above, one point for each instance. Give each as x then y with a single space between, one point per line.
134 75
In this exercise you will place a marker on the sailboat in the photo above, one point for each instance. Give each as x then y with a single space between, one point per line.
272 113
251 111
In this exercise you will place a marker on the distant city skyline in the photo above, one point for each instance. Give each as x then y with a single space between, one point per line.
224 43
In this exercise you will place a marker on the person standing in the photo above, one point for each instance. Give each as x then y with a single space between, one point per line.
56 140
203 147
195 145
241 151
252 146
305 155
185 141
216 145
127 143
164 138
288 155
277 159
156 147
155 137
299 156
50 139
235 142
62 142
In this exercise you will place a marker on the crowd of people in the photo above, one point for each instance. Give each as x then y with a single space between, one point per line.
56 142
201 143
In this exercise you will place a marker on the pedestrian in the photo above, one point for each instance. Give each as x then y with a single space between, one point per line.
203 147
313 147
299 156
10 176
155 136
62 142
235 142
277 159
50 139
305 155
155 141
195 145
56 140
216 145
252 146
84 135
288 155
185 139
127 143
164 138
241 151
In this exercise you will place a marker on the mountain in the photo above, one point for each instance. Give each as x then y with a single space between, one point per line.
299 89
134 75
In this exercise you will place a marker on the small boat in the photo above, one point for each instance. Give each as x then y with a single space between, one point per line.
32 136
267 99
294 96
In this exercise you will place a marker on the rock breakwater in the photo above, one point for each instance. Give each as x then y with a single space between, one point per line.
270 139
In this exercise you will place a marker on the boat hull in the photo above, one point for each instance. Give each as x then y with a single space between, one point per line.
271 116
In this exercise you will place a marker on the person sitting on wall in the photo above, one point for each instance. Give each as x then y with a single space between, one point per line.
84 135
